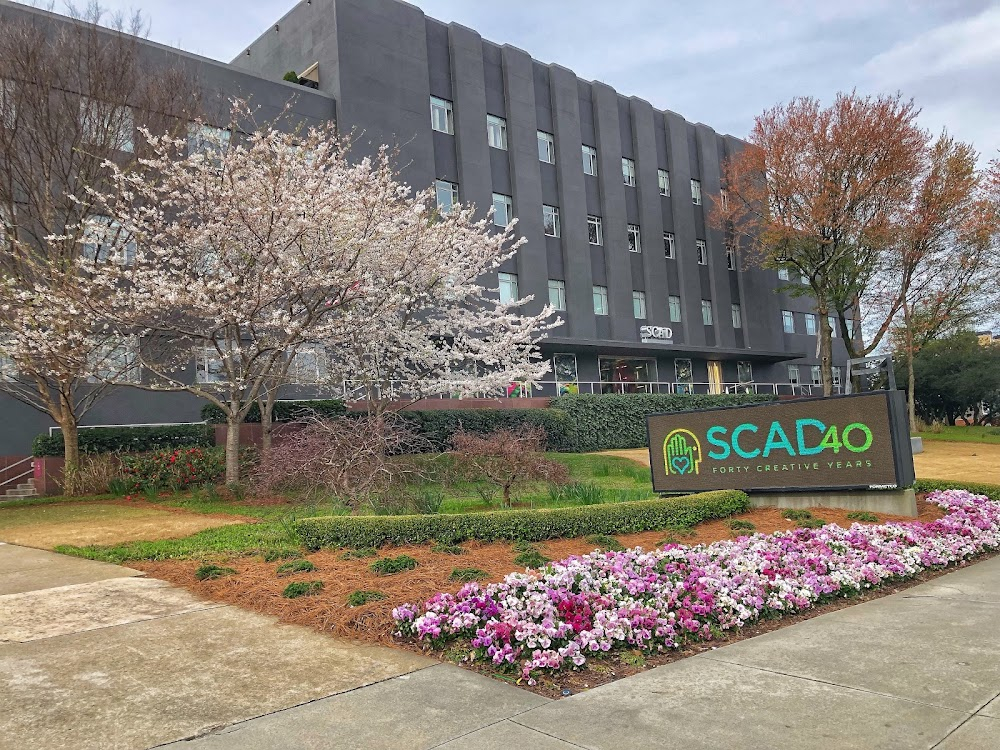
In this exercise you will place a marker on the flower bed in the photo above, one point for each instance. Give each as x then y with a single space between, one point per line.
659 600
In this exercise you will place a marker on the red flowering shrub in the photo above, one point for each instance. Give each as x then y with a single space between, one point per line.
175 469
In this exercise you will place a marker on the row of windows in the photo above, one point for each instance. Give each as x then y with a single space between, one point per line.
812 324
557 298
443 121
815 375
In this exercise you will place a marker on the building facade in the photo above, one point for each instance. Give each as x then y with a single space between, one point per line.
612 195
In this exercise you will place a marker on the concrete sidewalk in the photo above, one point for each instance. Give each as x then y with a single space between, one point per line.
117 661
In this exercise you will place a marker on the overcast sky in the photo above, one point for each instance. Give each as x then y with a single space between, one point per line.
720 62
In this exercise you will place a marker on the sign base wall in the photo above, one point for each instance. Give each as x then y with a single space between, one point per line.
894 502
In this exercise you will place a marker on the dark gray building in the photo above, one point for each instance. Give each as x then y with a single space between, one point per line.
611 194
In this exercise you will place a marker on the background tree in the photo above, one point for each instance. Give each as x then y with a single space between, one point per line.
818 189
247 253
71 95
956 376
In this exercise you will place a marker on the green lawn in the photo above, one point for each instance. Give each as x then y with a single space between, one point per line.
593 479
952 434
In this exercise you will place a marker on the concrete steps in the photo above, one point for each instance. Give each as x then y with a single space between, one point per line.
24 489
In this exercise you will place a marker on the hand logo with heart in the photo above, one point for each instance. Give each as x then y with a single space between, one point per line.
681 464
682 453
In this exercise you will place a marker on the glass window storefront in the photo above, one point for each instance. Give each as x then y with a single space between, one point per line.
684 375
564 367
627 375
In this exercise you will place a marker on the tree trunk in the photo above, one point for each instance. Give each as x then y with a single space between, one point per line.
266 407
71 455
233 424
825 350
911 396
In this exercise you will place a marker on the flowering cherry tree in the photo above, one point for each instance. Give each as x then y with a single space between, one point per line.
246 252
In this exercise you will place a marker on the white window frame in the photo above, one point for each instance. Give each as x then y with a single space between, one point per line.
675 308
551 223
99 227
788 321
731 258
696 192
546 147
639 305
816 373
597 224
589 160
836 376
301 372
634 238
628 171
600 300
507 288
783 274
507 202
126 369
749 367
737 316
449 189
105 113
663 178
203 358
701 249
442 115
496 132
833 326
812 325
793 374
669 247
724 199
557 294
8 368
208 140
707 317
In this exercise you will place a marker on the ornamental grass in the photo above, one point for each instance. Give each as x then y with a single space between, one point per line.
656 601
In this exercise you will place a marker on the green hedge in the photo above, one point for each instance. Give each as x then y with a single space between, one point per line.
129 439
992 491
528 525
437 426
615 421
284 411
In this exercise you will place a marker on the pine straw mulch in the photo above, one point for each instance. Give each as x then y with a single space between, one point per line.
257 587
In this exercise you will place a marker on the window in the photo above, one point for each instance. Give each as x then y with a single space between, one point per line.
724 200
447 195
626 375
696 192
503 209
496 132
668 245
628 171
117 361
8 368
208 140
833 326
706 312
557 294
850 328
817 376
508 288
731 258
663 177
699 246
793 374
546 147
308 366
744 372
208 365
675 308
442 116
600 300
595 231
634 239
639 305
564 367
684 374
803 279
737 317
788 321
8 109
108 125
550 219
810 324
104 238
590 161
836 377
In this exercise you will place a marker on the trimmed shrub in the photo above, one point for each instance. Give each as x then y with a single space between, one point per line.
129 439
605 542
615 421
529 525
438 427
284 411
861 515
175 469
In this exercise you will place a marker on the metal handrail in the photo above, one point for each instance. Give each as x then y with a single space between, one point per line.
53 430
30 472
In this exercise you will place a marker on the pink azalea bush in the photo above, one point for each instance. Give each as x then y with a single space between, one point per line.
661 599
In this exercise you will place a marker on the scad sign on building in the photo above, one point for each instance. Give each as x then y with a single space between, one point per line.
841 442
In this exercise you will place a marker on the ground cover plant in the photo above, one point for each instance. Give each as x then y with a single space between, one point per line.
302 588
663 599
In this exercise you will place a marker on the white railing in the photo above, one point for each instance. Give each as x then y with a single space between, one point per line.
29 461
54 430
